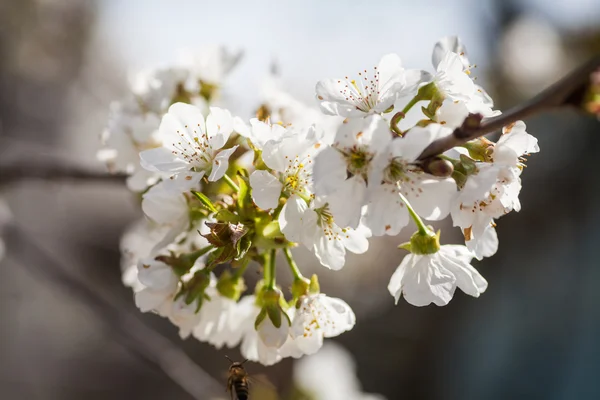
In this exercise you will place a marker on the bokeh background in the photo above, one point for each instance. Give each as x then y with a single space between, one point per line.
69 329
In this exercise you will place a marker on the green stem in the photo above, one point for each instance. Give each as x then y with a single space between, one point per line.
293 266
418 221
231 183
270 270
241 269
401 114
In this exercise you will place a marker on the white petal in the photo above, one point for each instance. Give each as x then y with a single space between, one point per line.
392 79
395 285
354 240
433 197
329 171
428 282
272 336
149 299
332 97
339 317
346 202
221 164
413 143
448 44
219 125
266 189
330 252
297 222
484 245
468 279
386 213
162 159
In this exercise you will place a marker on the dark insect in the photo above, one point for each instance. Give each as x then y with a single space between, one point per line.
238 380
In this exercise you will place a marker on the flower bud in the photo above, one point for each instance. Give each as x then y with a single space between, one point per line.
300 287
480 149
230 286
193 290
438 167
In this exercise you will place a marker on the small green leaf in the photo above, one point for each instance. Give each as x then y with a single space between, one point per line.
205 201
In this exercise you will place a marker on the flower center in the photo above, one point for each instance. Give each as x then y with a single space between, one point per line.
364 91
358 160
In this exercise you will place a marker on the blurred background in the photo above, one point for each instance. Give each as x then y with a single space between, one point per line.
69 329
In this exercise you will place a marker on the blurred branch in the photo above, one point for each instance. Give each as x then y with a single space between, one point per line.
53 170
568 92
123 326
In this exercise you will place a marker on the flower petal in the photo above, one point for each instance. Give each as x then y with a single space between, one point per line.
266 189
221 164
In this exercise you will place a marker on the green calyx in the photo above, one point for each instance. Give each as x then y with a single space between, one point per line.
436 99
423 242
480 149
193 290
300 287
230 286
272 308
184 262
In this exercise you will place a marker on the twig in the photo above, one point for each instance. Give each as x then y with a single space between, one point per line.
128 330
54 170
569 91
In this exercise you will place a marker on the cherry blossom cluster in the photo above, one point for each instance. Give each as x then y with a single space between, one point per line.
221 193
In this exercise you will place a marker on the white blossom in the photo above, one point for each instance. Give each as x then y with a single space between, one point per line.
221 320
315 227
191 144
330 375
370 92
160 283
493 191
291 159
319 316
423 279
344 170
430 196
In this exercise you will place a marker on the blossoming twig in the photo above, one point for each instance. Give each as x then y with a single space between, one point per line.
569 91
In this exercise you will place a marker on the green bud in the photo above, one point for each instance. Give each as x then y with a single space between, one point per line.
300 287
314 286
480 149
425 242
438 167
230 286
193 290
184 262
207 90
271 307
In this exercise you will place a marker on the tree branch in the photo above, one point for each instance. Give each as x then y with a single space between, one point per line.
121 325
569 91
54 170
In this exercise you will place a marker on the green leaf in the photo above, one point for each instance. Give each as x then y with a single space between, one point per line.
244 199
205 201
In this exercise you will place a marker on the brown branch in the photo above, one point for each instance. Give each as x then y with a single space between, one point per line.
54 170
569 91
121 325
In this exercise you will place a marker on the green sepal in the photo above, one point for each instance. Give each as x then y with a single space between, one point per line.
300 287
314 286
274 313
230 286
405 246
205 201
261 316
425 242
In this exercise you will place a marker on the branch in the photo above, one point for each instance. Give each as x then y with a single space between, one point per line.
120 324
569 91
54 170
